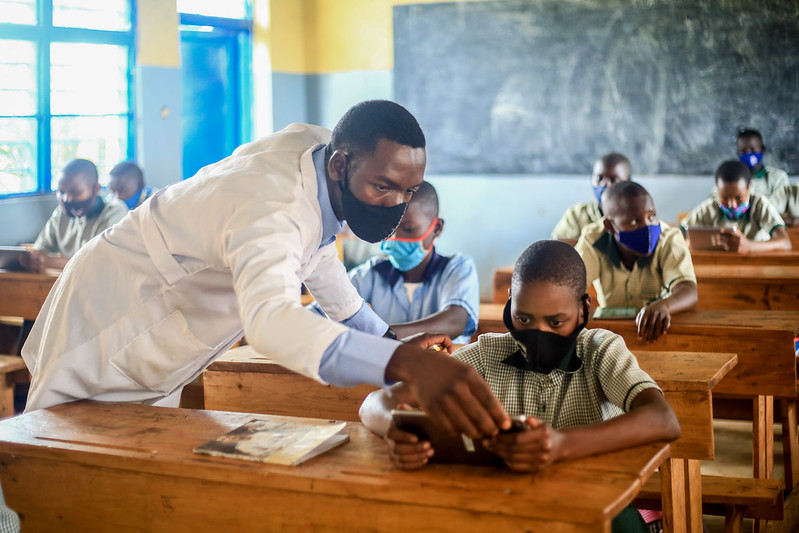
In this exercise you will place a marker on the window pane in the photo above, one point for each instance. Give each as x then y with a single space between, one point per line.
102 140
93 14
232 9
17 78
17 155
88 79
18 11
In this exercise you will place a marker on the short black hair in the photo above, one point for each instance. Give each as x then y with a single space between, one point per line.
427 199
81 167
126 168
733 170
749 132
614 159
552 262
360 129
619 190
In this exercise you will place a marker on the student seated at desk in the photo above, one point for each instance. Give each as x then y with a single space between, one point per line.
127 184
581 390
634 260
81 215
415 289
608 170
766 180
786 201
750 222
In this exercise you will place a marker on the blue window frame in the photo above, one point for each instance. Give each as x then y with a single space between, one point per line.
66 88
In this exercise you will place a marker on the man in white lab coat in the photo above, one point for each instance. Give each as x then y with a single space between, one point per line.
144 307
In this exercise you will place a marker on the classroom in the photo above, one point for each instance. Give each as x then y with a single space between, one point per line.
175 214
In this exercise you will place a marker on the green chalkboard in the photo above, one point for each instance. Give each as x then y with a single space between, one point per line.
546 86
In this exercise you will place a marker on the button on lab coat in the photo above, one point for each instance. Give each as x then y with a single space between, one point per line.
144 307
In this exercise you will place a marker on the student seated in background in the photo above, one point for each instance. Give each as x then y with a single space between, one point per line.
127 184
81 214
750 222
580 389
786 201
414 288
608 170
766 180
634 260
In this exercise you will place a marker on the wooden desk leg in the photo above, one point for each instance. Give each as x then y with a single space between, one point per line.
7 396
673 490
790 442
763 437
693 494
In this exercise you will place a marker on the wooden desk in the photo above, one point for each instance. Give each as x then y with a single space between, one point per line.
243 380
766 365
766 287
124 467
23 293
701 257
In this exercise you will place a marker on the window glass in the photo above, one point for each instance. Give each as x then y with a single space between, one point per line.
18 11
17 78
93 14
88 79
17 155
232 9
101 140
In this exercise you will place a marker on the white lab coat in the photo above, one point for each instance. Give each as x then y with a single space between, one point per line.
144 307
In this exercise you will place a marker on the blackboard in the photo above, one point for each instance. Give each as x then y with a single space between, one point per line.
547 86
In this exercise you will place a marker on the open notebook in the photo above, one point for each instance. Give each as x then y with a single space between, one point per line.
279 441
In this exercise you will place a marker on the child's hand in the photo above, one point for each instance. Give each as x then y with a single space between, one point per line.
35 261
653 321
530 450
405 449
733 240
434 341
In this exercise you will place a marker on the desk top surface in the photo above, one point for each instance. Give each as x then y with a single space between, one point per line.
160 440
48 275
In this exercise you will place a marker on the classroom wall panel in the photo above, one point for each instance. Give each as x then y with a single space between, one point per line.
289 99
158 124
331 95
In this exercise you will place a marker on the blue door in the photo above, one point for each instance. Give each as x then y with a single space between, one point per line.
211 79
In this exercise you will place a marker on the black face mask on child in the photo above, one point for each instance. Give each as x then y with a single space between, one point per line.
544 350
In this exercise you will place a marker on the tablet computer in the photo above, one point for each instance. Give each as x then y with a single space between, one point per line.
615 312
705 238
449 447
11 257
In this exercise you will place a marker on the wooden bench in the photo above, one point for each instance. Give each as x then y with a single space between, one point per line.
12 371
733 498
23 293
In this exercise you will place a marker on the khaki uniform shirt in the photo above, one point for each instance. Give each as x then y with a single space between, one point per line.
601 381
757 224
65 235
769 181
652 278
575 219
786 200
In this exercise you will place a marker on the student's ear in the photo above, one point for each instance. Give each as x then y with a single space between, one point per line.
439 227
337 165
97 188
609 227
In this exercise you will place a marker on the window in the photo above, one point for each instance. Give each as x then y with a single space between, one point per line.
65 89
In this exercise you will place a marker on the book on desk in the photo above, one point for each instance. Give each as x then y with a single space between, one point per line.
283 442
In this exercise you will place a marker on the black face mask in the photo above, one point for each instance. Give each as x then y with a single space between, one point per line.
544 350
372 223
78 209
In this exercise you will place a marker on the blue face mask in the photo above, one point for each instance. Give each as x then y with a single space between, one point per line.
598 192
734 213
751 159
133 201
641 241
407 254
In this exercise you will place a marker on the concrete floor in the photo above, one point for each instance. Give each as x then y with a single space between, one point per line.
734 458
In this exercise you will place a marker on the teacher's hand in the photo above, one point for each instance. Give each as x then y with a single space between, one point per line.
449 391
